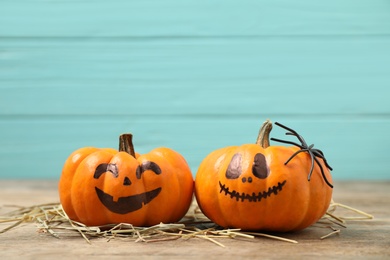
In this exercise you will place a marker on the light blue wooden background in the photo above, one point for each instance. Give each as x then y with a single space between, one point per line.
193 76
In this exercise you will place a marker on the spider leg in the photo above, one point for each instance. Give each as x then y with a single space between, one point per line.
300 138
288 142
312 165
327 165
296 153
285 127
318 153
322 172
292 132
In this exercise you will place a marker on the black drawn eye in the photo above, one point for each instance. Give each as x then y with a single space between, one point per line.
259 168
234 169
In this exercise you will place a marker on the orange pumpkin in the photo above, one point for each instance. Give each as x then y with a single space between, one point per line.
263 187
106 186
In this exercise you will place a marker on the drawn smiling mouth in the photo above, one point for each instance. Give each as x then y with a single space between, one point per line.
254 197
127 204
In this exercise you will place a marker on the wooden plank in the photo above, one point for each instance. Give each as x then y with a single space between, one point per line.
21 18
304 76
361 239
37 147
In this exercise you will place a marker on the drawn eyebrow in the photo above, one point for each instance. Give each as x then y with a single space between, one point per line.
148 165
106 167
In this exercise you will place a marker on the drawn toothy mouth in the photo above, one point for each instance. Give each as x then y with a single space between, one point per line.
128 204
254 197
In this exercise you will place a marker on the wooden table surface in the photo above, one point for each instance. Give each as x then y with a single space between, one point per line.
362 239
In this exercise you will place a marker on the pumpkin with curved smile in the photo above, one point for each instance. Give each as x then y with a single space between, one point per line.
106 186
131 203
264 187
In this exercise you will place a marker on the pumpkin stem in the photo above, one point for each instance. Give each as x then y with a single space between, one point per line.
126 144
263 137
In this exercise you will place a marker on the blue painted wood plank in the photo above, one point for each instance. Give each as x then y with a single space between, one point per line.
36 148
302 76
25 18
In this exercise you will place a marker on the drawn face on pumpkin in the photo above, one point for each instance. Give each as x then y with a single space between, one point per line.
264 187
255 173
131 203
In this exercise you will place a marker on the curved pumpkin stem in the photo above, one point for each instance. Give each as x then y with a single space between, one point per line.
263 137
126 144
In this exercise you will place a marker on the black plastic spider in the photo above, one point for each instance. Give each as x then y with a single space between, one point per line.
314 153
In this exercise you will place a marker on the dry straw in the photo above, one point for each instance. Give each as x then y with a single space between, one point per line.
52 219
